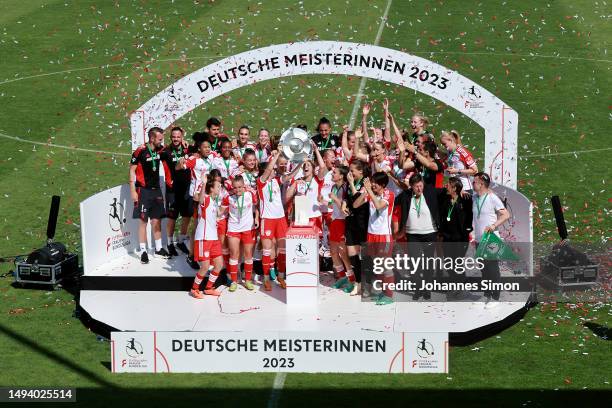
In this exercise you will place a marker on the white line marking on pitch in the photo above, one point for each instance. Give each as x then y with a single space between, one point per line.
80 149
67 71
509 54
279 382
279 379
365 79
565 153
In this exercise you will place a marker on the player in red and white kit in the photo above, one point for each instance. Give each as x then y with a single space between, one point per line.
459 160
198 163
263 147
207 248
249 171
309 185
215 174
326 163
381 202
273 221
242 225
380 160
242 143
225 162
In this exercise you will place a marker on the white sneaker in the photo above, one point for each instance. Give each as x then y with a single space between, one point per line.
256 278
356 289
492 304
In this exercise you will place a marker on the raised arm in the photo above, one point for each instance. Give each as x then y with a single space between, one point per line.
270 169
379 204
290 194
427 162
348 153
355 153
364 122
286 177
387 133
320 162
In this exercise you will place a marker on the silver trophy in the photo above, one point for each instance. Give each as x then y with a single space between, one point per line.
295 145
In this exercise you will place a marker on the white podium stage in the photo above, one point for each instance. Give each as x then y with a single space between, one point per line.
149 311
116 294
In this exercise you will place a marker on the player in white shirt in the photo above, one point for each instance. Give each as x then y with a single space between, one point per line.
310 186
273 221
327 161
215 174
242 142
263 147
242 224
225 162
249 171
488 214
380 161
381 202
207 248
200 163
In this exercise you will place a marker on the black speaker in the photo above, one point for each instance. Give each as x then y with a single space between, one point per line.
51 263
50 254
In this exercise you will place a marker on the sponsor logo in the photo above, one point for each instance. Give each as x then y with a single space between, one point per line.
116 216
133 348
135 352
115 242
300 250
473 98
493 248
300 254
425 349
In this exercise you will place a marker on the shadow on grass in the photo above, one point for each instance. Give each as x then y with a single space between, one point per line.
53 356
235 396
600 331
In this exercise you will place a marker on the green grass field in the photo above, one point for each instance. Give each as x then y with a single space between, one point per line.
72 70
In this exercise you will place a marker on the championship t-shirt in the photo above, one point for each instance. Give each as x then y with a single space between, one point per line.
379 222
484 211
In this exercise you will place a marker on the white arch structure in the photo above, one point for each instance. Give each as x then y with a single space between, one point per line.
500 122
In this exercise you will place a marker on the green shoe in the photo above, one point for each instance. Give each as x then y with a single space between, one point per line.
349 288
341 282
273 273
249 285
233 287
384 300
